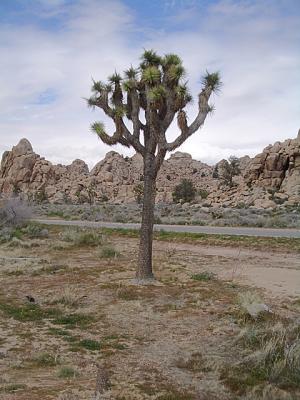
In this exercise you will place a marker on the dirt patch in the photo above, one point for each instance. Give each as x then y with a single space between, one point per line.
169 341
277 273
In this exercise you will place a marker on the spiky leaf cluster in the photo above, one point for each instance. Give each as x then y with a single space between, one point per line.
157 86
212 80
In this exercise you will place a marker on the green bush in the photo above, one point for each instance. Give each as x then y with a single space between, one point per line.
82 237
67 372
204 276
184 192
203 193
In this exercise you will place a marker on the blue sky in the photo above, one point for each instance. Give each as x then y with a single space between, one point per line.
50 49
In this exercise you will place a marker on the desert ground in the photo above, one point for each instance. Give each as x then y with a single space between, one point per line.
221 321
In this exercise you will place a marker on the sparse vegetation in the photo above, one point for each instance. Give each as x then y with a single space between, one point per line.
109 252
67 372
87 310
34 230
68 296
204 276
82 237
90 344
273 358
46 360
203 193
185 192
74 320
175 213
27 312
127 293
14 213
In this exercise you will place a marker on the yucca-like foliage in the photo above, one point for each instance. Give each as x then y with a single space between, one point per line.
149 58
157 91
156 85
151 76
212 80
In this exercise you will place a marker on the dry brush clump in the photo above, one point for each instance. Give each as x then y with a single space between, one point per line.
14 214
68 296
83 237
270 348
251 306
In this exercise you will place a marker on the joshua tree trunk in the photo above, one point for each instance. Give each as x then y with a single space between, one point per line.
144 267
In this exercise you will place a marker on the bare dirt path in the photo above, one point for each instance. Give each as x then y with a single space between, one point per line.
277 273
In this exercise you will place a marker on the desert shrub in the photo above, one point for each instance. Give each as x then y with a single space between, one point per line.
121 218
40 197
68 296
241 205
273 357
184 192
90 344
138 191
14 212
36 231
6 234
127 293
195 362
67 372
217 214
203 193
46 360
103 198
12 387
109 252
82 237
68 395
55 213
75 320
251 306
204 276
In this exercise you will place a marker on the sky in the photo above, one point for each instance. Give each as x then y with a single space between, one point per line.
51 49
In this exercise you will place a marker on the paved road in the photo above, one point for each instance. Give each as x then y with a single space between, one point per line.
288 233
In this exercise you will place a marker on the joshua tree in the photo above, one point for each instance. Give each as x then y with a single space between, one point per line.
148 99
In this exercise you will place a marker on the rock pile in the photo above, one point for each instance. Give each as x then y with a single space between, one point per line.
269 179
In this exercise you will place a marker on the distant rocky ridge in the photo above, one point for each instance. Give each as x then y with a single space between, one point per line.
269 179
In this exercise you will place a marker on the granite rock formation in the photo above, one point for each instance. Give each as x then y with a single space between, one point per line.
269 179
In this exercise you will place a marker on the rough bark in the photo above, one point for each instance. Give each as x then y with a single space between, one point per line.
144 267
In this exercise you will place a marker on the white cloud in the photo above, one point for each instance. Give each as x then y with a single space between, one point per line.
253 45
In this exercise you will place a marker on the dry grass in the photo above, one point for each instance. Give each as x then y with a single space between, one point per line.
166 341
69 296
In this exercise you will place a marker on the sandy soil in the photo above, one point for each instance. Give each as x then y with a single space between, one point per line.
167 341
277 273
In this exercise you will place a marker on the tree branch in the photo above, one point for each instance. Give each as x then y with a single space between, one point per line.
117 137
187 131
170 106
131 139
